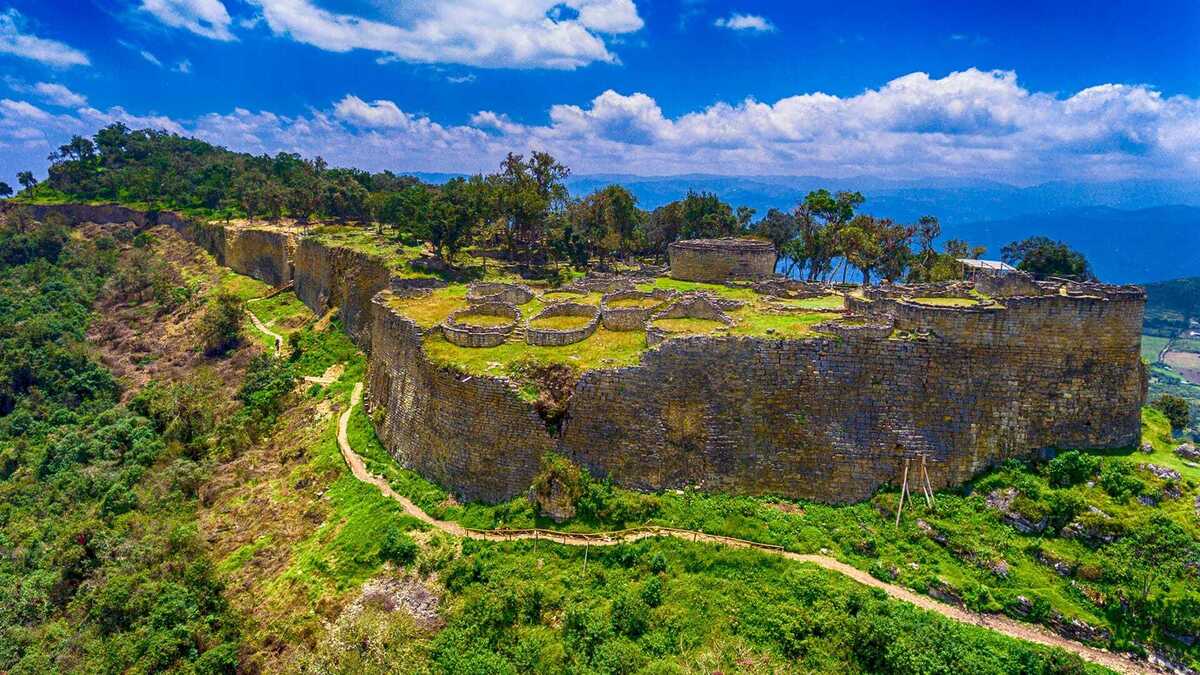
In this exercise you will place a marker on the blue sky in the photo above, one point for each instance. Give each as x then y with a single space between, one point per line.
1010 91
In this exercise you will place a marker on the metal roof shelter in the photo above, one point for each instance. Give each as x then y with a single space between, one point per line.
973 268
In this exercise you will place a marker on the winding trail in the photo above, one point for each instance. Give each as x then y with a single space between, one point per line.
1000 624
262 327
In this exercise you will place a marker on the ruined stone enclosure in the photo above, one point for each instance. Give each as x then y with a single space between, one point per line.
804 392
721 259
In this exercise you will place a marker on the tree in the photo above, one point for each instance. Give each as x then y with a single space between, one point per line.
779 228
5 189
957 248
1043 257
457 214
819 218
928 229
409 212
527 193
1176 409
607 220
221 323
26 179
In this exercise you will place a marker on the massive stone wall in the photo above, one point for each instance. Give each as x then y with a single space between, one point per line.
334 276
833 419
829 418
265 254
472 434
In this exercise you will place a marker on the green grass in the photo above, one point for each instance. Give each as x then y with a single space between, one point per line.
1151 346
744 294
604 349
947 302
832 301
689 325
244 287
561 322
484 320
432 309
864 535
791 326
639 303
283 314
395 255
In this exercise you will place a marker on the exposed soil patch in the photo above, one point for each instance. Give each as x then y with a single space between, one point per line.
1186 364
138 343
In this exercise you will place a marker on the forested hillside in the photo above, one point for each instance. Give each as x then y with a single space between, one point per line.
525 209
1170 304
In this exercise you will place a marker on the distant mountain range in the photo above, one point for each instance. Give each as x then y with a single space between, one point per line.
1132 231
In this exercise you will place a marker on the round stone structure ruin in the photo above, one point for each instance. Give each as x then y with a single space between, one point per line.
717 260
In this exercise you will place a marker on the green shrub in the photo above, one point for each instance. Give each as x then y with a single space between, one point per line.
652 592
1062 506
1177 410
397 547
630 615
1119 480
1070 468
221 324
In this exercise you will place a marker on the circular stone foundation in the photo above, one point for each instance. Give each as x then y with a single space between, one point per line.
487 291
692 308
630 310
717 260
459 329
557 337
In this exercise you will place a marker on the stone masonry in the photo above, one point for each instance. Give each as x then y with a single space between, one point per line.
721 259
829 418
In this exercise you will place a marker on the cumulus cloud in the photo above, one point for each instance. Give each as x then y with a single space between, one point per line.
750 22
482 33
15 40
980 124
59 95
380 114
208 18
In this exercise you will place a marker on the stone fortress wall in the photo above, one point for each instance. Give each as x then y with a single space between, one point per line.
830 418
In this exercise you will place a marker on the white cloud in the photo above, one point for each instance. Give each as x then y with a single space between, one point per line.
150 57
14 40
184 66
144 53
482 33
380 114
460 79
750 22
967 124
59 95
208 18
